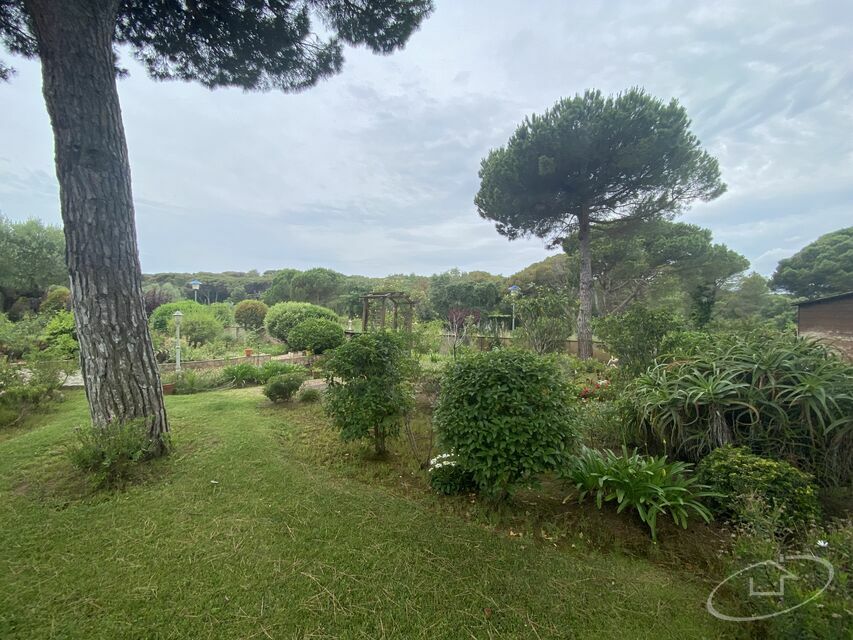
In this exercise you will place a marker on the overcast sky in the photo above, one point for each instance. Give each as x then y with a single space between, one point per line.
375 171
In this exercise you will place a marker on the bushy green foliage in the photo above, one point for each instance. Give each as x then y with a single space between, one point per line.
636 336
276 368
822 268
649 485
18 338
369 389
111 453
546 321
161 318
783 397
190 381
22 392
250 314
316 334
310 395
199 327
243 375
283 386
57 299
448 478
222 311
59 336
283 316
507 416
738 475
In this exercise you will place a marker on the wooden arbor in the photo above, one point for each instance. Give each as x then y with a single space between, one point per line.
376 305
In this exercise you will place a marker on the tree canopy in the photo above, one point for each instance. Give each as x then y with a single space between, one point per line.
32 258
822 268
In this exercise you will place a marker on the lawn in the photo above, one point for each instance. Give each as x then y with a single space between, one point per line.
262 525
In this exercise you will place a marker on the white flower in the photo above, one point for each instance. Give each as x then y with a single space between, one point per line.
823 544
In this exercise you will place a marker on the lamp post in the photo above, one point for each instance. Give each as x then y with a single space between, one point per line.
195 284
514 292
177 316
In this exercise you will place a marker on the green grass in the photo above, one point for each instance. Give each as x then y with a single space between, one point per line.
294 542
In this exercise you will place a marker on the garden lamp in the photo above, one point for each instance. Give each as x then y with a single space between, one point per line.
177 316
195 284
514 292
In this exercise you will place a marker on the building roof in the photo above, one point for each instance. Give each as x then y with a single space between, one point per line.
837 296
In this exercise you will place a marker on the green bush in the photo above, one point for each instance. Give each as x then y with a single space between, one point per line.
369 390
222 311
738 475
23 336
21 393
57 299
448 478
59 336
190 381
283 316
636 336
250 314
546 321
283 386
111 453
310 395
781 396
199 327
243 375
316 335
161 318
507 416
649 485
273 368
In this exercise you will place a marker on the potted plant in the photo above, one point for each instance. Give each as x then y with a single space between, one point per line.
248 352
168 388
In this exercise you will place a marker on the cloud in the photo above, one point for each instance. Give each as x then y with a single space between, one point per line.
375 171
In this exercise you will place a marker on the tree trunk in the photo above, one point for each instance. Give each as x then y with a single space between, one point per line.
78 71
585 291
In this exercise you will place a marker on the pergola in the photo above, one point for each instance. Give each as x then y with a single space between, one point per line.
397 299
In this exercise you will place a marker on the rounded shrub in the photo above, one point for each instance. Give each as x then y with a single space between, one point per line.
283 386
310 396
222 311
199 327
57 299
739 476
283 316
273 368
316 334
507 416
161 316
250 314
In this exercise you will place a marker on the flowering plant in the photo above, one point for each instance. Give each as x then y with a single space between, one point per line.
447 477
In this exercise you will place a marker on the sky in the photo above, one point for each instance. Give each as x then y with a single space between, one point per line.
374 171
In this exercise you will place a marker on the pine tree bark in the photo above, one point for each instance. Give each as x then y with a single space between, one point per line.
122 380
585 289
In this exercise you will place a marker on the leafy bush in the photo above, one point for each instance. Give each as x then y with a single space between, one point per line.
243 375
222 311
649 485
276 368
310 395
369 392
161 317
316 334
190 381
250 314
111 453
57 299
199 327
782 397
283 316
546 322
285 385
21 393
18 338
507 416
447 477
636 336
738 475
59 336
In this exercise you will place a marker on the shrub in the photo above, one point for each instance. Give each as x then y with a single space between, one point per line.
275 368
111 453
222 311
649 485
59 336
369 392
316 334
250 314
447 477
310 395
283 316
782 397
636 336
283 386
18 338
243 375
546 322
199 327
161 317
507 415
190 381
738 475
20 393
57 299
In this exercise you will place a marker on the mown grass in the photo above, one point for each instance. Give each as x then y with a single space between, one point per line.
261 526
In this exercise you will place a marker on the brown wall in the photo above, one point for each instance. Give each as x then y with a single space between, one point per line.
830 321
